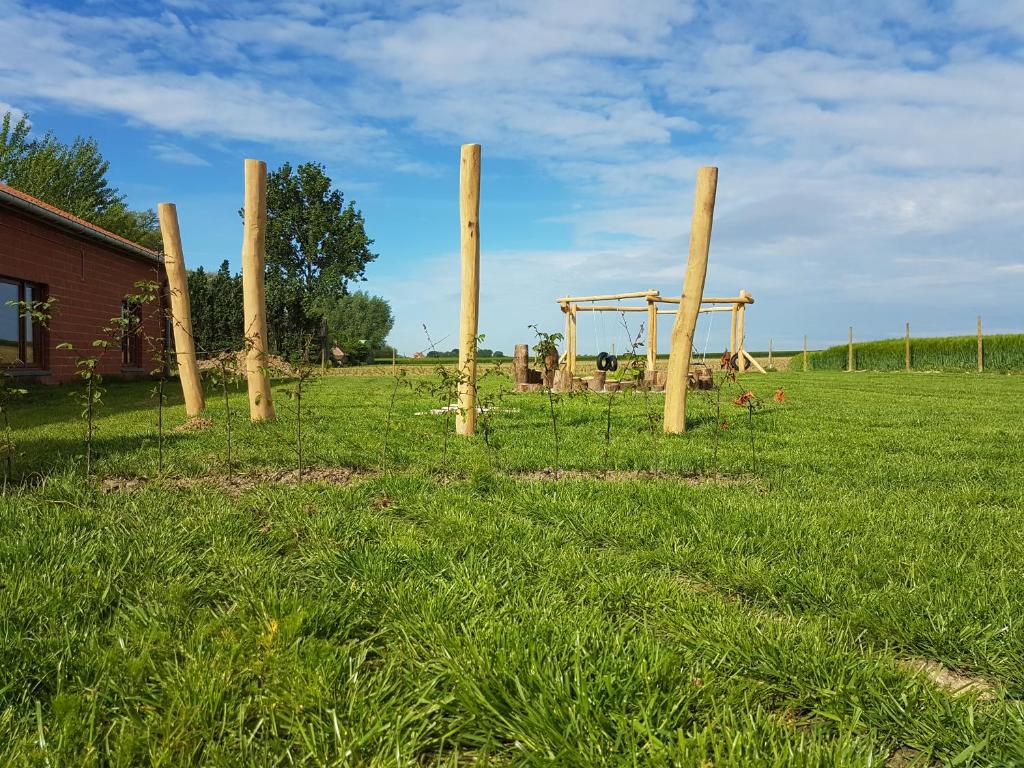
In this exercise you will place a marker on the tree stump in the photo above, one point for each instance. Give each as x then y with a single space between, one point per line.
596 383
521 364
550 369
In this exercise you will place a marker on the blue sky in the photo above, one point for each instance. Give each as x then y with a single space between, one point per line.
871 154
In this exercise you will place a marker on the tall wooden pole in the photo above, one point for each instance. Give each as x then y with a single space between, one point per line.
981 349
254 300
469 213
732 331
681 344
770 353
849 352
652 338
572 339
568 335
741 330
906 349
181 310
805 353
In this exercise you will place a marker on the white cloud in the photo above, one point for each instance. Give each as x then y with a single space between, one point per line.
868 151
172 153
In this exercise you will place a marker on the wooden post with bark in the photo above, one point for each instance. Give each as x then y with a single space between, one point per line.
469 213
254 300
981 348
906 349
732 332
741 332
571 342
685 324
181 311
652 340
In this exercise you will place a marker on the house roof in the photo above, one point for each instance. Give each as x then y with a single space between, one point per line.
49 213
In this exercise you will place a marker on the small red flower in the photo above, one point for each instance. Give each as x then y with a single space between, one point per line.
779 396
744 400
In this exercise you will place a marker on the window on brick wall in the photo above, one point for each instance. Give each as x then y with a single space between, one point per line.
21 340
130 335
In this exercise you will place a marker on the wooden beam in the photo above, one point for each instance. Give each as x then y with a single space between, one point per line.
906 349
741 332
749 358
849 352
572 340
652 337
469 214
981 349
254 298
181 310
614 308
606 297
607 308
565 338
732 331
674 420
747 299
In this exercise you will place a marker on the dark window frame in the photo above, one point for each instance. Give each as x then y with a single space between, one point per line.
40 334
130 352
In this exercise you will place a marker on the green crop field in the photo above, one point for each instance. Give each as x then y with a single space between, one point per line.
948 353
836 579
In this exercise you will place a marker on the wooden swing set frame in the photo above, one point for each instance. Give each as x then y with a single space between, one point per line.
735 305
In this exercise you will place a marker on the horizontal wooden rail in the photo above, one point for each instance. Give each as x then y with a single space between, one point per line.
606 297
708 300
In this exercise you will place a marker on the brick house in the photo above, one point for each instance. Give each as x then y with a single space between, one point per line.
45 252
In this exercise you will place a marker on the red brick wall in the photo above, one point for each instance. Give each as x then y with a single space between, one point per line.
88 279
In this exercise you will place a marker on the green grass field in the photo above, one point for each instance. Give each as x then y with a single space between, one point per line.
451 603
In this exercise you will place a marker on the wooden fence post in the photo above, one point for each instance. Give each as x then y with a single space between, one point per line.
572 340
849 352
181 310
681 344
254 299
741 332
652 339
732 332
770 353
981 349
469 212
906 349
805 353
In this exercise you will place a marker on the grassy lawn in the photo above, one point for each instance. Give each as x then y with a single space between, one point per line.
665 601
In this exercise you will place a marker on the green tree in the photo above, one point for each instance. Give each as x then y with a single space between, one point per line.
316 246
72 177
216 309
359 319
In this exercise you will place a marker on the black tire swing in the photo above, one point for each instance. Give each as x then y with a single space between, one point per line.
606 362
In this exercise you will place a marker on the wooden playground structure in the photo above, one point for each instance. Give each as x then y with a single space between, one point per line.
739 357
689 304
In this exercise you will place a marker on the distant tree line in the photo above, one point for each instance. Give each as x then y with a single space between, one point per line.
358 323
316 246
72 177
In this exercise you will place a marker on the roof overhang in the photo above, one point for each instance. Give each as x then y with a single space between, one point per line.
79 228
